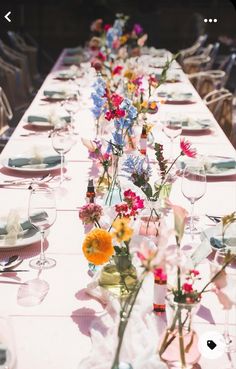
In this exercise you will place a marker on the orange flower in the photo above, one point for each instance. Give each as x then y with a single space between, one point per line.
97 246
152 105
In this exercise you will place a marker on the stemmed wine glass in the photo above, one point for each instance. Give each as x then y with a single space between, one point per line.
193 188
42 214
227 289
172 128
62 142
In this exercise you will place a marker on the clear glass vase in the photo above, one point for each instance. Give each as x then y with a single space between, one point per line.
179 342
150 218
119 276
114 195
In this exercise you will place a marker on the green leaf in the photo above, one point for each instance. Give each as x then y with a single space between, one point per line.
118 250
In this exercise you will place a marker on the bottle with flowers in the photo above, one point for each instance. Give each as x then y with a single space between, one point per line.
111 246
140 172
179 342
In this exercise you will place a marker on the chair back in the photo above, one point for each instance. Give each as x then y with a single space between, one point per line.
220 102
207 81
227 66
192 50
5 112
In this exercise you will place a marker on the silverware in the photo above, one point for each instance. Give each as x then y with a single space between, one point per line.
14 270
8 261
215 219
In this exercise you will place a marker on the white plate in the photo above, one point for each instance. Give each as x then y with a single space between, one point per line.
41 124
197 127
216 232
224 173
33 168
27 240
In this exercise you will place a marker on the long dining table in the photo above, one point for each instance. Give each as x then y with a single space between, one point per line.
54 334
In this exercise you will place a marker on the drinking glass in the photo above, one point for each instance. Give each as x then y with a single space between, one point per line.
193 188
62 142
227 290
42 215
172 128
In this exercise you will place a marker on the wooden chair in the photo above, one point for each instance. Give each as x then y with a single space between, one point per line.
207 81
220 102
5 116
192 50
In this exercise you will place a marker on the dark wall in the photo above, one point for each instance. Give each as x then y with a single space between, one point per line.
173 24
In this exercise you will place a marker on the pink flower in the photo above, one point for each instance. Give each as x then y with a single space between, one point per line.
96 26
96 64
194 272
101 56
120 113
160 274
180 215
121 208
187 287
141 41
186 148
107 26
137 29
109 115
116 100
117 70
90 213
116 44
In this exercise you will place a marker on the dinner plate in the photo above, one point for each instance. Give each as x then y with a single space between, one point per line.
41 124
212 172
216 233
197 125
30 168
176 98
24 239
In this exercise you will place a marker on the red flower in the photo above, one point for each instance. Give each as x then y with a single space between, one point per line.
109 115
186 149
107 26
120 113
121 208
194 272
187 287
116 100
117 70
160 274
97 64
101 56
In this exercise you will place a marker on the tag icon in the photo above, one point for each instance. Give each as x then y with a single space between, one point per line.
211 344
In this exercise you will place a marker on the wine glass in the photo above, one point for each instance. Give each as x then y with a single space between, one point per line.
193 188
172 128
227 289
7 344
42 214
62 142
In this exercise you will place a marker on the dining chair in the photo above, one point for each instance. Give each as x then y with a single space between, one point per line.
203 61
5 117
30 51
207 81
220 102
192 50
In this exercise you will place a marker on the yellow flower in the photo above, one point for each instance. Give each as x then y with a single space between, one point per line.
123 39
144 105
97 246
131 87
129 74
122 231
152 105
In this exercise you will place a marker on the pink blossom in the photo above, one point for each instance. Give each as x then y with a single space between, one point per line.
187 287
186 148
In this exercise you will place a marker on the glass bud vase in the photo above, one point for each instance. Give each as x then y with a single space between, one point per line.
114 195
150 218
119 276
179 342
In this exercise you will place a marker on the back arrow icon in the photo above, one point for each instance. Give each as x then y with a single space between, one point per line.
7 16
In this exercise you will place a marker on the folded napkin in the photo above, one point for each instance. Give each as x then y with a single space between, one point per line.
45 118
13 227
71 60
50 161
74 50
224 164
51 93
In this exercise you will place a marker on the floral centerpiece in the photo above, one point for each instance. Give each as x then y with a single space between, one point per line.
111 245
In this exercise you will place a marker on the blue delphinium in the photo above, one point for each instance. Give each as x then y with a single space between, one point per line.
139 169
98 97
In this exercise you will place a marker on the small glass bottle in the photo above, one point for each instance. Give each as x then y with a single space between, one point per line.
160 290
90 194
143 141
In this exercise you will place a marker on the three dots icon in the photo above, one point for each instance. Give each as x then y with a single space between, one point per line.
210 20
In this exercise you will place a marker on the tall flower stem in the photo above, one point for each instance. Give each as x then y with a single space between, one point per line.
124 319
113 183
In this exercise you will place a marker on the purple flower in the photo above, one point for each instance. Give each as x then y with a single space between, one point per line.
138 29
